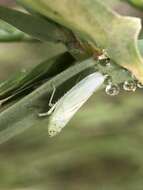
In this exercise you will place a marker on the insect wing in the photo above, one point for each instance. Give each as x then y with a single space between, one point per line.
71 102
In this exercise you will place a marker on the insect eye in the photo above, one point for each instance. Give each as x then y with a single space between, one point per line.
52 132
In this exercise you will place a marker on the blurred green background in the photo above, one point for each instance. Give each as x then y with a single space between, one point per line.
100 149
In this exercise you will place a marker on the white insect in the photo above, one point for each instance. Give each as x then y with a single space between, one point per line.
64 109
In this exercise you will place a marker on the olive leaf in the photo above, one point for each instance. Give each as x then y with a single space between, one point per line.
37 27
95 22
25 80
9 33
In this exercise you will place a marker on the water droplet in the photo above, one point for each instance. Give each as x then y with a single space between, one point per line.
139 85
112 89
130 85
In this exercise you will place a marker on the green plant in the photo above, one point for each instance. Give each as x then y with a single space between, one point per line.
85 29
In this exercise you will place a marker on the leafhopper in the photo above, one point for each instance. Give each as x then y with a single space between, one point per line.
64 109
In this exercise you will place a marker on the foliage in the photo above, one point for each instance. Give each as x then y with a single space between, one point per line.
60 42
82 38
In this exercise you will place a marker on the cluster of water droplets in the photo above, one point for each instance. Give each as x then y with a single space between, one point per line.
113 89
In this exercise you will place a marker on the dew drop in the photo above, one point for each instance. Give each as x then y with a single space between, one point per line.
130 85
139 85
112 89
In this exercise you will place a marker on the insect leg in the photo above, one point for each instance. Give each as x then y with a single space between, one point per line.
48 112
50 104
51 98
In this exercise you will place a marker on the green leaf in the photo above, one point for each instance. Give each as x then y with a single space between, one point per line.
11 84
9 33
99 25
43 71
24 113
38 28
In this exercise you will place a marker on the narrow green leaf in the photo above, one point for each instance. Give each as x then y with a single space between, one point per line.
11 84
43 71
9 33
38 28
